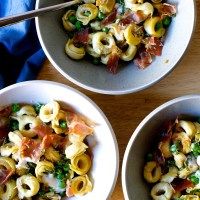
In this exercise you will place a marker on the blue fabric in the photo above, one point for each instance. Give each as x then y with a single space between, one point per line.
21 56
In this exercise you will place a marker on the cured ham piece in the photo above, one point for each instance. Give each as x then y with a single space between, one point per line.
181 184
110 18
80 128
81 37
6 111
143 60
5 175
112 64
30 148
166 9
154 46
159 158
42 130
51 140
136 17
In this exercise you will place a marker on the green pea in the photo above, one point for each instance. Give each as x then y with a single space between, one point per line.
149 157
95 61
194 179
166 21
105 29
15 107
72 19
101 15
63 124
78 25
60 176
87 13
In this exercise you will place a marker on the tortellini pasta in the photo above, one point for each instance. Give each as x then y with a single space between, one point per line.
101 29
174 162
31 183
45 153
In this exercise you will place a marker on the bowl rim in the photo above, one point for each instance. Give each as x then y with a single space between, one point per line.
110 92
137 130
31 82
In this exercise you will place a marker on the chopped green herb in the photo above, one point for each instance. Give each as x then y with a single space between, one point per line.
166 21
37 107
174 148
78 25
72 19
14 125
61 184
51 189
101 15
194 179
63 124
195 148
15 107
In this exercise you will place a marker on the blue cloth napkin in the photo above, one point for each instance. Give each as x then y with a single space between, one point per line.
21 56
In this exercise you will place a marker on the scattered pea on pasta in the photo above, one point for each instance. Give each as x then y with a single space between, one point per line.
107 31
44 154
172 167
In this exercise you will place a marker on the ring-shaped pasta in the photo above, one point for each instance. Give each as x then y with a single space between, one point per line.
32 184
146 8
81 164
133 34
65 20
26 110
56 122
8 164
150 25
170 176
96 25
74 52
156 1
49 111
179 159
102 43
52 155
81 185
152 172
129 54
8 191
42 167
116 31
8 149
26 123
164 147
105 58
188 127
90 49
162 190
86 12
105 6
75 149
15 137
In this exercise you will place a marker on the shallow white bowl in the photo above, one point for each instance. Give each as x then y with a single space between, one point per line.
106 156
130 78
140 143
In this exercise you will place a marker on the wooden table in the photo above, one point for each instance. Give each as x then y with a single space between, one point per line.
132 108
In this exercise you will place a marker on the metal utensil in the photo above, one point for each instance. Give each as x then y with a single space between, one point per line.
5 21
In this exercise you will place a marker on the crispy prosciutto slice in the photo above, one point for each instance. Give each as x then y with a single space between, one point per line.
81 37
112 64
4 175
30 148
166 9
6 111
135 17
158 157
110 18
154 46
51 140
181 184
143 59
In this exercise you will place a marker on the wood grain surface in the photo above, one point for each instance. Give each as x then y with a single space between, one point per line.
125 112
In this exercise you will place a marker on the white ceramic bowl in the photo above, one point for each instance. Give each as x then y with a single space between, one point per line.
140 143
130 78
106 156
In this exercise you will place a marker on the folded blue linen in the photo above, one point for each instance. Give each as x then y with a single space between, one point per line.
21 56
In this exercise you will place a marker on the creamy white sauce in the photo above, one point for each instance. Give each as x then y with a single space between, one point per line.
49 180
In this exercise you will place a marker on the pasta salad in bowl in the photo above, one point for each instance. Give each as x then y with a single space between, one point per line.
140 41
161 160
50 148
